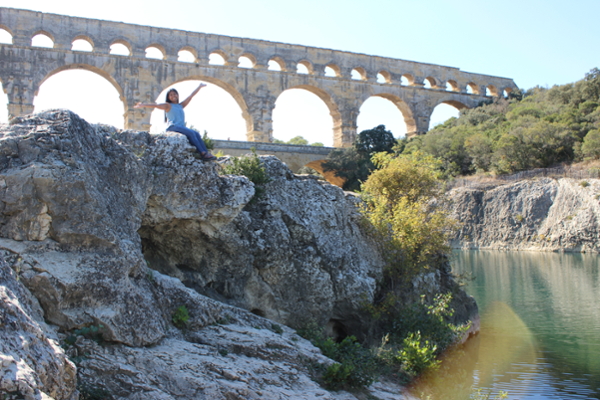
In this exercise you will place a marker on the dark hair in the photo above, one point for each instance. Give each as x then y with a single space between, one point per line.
169 101
169 92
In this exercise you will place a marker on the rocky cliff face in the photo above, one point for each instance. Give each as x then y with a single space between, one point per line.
541 214
105 234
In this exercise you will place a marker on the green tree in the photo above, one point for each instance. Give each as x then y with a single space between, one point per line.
350 165
374 140
591 145
399 205
298 140
354 163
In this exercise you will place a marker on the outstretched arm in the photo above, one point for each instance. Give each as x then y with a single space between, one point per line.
161 106
189 98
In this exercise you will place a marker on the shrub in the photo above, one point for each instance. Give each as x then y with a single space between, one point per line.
417 355
252 168
403 201
208 142
357 365
180 317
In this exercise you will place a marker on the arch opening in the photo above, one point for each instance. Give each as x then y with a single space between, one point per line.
359 74
5 36
444 111
302 112
246 62
155 53
506 93
491 91
452 86
120 49
213 110
407 80
42 40
216 59
78 90
380 110
304 67
82 45
384 77
429 83
472 88
186 55
332 71
276 64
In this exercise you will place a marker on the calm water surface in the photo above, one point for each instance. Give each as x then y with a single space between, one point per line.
540 327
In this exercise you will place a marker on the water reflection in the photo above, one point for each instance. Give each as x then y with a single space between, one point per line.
540 328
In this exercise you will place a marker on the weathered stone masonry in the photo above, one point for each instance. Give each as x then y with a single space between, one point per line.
23 68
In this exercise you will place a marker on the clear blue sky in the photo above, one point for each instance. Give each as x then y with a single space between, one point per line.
534 42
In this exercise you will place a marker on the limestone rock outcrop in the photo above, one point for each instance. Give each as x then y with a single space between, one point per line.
111 232
540 214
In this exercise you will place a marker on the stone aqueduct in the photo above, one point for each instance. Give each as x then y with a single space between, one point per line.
415 88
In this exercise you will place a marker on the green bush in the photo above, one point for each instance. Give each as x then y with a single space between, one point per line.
252 168
417 355
180 317
357 365
208 142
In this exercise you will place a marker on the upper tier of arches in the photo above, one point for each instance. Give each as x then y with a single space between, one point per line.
169 44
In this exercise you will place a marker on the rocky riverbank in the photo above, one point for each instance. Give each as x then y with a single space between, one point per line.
130 269
542 214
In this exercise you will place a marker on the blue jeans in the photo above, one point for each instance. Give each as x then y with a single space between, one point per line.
193 137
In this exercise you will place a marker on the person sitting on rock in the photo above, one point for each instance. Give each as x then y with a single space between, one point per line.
175 118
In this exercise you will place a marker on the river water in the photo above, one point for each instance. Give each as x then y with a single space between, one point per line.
540 328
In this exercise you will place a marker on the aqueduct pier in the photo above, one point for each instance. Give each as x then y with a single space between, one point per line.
351 78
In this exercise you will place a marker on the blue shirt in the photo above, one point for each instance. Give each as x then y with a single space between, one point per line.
175 115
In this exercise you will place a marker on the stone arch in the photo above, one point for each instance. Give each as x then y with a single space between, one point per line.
231 90
190 50
85 38
122 42
86 67
8 32
472 88
362 73
405 110
452 102
431 82
385 75
250 57
43 33
450 108
335 68
507 91
330 103
159 47
452 86
307 64
492 90
279 61
409 78
219 53
117 110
